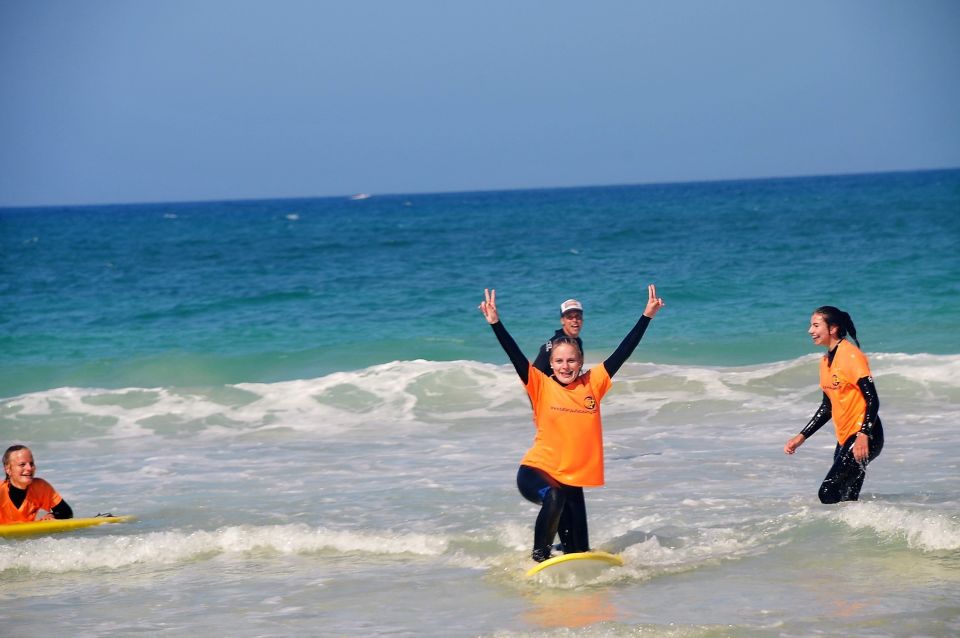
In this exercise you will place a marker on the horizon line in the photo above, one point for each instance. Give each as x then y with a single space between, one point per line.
366 196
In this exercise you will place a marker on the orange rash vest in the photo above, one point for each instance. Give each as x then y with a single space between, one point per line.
839 383
40 496
568 444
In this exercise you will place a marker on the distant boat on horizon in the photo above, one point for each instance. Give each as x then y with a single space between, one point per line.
360 196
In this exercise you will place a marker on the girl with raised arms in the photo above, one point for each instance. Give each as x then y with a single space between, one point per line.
567 451
850 399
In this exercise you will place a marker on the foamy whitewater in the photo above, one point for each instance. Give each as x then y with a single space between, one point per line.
280 493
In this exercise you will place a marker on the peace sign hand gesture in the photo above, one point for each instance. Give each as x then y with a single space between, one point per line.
654 303
489 306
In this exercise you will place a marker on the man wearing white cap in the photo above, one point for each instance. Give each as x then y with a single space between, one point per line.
571 321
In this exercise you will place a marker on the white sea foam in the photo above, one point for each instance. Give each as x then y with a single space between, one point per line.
926 368
923 530
63 554
415 394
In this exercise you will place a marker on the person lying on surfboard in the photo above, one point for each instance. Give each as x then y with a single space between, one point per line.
23 494
567 451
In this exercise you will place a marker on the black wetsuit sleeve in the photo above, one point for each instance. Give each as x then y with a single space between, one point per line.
821 416
627 346
520 363
542 362
873 404
62 510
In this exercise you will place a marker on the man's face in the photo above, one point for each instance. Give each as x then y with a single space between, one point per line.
571 321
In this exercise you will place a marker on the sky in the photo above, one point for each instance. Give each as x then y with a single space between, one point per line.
123 101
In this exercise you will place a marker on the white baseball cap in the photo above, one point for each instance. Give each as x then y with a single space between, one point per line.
570 304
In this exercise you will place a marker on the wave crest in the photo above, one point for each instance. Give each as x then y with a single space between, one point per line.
926 531
57 554
424 394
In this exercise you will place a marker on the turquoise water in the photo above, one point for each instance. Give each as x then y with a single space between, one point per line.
319 434
272 290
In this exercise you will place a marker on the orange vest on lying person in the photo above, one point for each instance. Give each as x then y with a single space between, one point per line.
40 496
569 441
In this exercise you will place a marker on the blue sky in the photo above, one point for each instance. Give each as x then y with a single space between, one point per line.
106 101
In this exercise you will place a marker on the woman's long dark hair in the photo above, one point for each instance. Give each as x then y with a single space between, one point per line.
836 317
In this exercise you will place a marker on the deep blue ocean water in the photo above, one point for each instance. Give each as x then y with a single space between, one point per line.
225 292
319 434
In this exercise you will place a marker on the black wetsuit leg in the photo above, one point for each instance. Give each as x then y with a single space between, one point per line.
845 478
554 499
573 522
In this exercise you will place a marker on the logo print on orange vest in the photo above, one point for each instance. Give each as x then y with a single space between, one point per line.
836 382
589 403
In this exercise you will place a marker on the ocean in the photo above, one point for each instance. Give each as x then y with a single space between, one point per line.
319 434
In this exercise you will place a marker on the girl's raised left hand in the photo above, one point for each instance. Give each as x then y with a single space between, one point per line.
489 306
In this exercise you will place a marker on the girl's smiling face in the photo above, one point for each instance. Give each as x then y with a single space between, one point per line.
20 468
566 361
821 332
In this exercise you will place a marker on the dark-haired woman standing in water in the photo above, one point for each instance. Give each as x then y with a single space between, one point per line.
850 399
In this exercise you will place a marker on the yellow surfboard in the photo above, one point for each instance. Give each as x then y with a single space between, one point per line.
37 528
591 560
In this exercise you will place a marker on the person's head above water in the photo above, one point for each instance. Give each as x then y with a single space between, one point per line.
19 466
829 324
566 360
571 317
